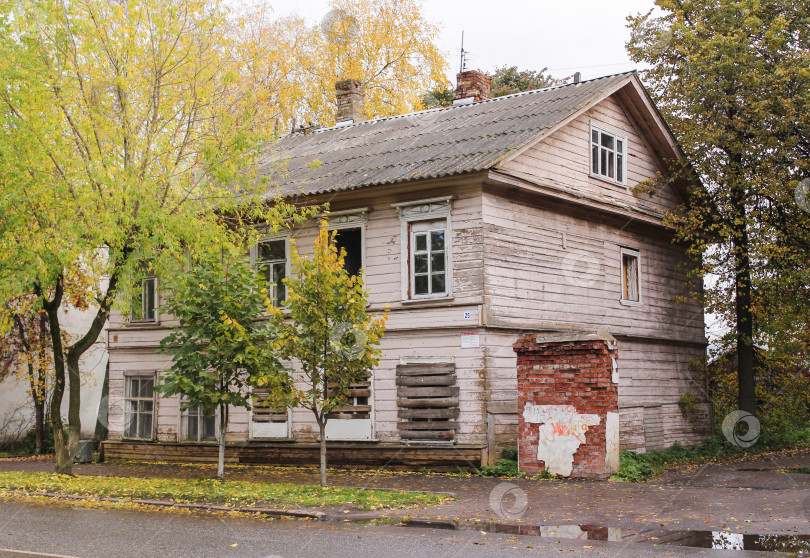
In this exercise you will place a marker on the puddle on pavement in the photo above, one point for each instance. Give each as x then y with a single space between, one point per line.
799 545
789 470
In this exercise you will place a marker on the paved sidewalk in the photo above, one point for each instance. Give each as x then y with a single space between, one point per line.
759 495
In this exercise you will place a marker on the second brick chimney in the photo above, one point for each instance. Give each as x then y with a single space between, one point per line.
350 101
472 84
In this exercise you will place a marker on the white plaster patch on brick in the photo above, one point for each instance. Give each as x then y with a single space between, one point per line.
611 443
562 431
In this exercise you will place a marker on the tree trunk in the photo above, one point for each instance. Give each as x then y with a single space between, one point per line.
102 422
744 314
74 402
223 425
64 461
322 426
39 426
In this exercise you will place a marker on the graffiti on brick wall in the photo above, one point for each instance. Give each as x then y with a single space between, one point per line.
562 431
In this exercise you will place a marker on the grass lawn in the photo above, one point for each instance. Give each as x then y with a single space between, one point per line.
211 491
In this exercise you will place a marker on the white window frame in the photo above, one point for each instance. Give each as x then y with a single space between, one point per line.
142 320
622 276
181 437
617 136
412 213
254 256
351 219
128 376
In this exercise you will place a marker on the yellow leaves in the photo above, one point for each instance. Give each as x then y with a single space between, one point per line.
388 46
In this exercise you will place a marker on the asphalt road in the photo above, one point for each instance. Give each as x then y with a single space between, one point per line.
28 530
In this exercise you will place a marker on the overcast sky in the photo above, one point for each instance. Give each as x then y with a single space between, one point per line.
565 36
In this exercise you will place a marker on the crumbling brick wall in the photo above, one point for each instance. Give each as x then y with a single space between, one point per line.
568 402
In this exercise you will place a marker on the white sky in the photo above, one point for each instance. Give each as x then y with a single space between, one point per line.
565 36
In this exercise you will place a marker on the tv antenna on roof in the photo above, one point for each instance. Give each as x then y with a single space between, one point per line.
463 62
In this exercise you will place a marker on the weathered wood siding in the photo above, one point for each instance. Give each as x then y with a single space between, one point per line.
563 160
415 330
548 268
552 271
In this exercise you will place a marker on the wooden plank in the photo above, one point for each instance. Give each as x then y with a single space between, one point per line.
429 391
428 435
425 369
426 380
428 403
428 413
428 425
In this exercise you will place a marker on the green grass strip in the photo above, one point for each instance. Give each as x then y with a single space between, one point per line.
212 491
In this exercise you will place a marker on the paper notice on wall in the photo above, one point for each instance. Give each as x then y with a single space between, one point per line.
470 340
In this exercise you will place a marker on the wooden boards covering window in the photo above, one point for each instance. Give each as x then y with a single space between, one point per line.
427 398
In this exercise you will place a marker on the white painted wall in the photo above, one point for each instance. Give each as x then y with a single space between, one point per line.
14 391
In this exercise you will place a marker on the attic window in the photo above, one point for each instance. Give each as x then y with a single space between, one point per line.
608 155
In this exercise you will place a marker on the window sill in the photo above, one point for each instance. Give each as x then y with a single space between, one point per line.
608 180
143 323
631 303
412 301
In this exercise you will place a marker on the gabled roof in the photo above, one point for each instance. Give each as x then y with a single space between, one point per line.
427 144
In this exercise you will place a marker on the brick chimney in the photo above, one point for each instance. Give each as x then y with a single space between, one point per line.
350 97
472 84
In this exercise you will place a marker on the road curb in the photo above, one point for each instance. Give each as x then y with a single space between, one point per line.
270 512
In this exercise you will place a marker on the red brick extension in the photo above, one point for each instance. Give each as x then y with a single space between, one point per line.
577 373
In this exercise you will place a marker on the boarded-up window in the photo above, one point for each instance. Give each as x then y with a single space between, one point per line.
358 405
264 410
427 397
630 276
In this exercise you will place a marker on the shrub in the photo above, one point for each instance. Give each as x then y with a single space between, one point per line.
503 468
28 443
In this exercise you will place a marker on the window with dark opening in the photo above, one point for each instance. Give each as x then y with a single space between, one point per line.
351 240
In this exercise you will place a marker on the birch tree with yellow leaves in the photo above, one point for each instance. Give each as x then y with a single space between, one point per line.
128 130
387 45
123 126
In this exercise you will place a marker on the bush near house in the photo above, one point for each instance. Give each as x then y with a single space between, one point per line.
641 467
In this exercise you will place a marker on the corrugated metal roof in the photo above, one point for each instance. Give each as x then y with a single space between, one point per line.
427 144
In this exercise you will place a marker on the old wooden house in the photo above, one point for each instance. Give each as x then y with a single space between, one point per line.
476 223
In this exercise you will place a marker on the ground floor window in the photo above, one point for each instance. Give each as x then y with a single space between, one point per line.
196 426
139 407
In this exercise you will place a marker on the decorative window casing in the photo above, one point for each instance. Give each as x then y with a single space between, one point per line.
608 155
631 277
351 236
270 257
427 263
139 406
195 426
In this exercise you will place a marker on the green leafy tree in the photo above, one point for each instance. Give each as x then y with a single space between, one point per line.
508 79
123 125
329 331
731 79
224 344
438 97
